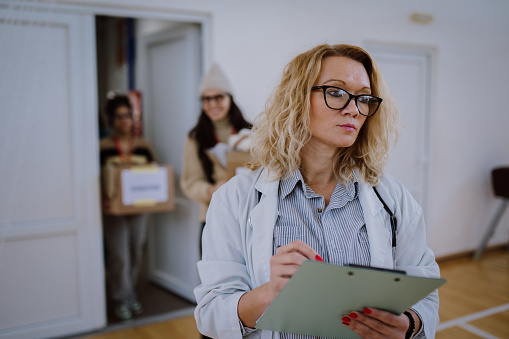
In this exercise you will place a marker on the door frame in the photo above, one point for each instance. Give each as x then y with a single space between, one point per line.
186 210
201 18
428 62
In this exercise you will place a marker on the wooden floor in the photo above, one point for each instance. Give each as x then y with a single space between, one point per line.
474 303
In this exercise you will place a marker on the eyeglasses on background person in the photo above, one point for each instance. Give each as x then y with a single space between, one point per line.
338 98
123 116
216 98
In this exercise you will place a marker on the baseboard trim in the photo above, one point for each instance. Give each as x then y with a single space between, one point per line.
470 253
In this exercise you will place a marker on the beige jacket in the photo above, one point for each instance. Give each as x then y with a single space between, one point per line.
192 180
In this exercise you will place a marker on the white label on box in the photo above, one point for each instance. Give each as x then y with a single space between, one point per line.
144 186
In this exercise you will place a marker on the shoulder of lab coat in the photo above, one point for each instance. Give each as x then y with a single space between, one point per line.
237 246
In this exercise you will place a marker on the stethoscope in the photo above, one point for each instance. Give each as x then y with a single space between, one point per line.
394 228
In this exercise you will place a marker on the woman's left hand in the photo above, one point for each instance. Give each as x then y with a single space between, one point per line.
374 323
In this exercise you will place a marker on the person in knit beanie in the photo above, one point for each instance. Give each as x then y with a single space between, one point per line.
203 170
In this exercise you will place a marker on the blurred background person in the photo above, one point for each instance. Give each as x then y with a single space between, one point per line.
204 163
124 236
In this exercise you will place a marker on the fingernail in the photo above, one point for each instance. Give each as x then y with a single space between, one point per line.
319 258
366 311
347 324
353 315
346 319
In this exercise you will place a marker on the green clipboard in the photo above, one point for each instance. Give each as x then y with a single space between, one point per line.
319 294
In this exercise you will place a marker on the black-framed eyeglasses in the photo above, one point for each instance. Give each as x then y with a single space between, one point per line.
216 98
338 98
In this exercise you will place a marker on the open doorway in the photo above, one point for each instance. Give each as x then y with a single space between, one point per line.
160 61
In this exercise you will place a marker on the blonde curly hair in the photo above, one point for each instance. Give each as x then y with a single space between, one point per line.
282 130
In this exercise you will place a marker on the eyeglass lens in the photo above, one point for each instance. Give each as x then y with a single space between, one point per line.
338 98
216 98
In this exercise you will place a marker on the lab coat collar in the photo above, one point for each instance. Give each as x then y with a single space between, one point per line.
262 219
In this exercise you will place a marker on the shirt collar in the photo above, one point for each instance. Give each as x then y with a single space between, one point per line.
344 193
341 195
287 185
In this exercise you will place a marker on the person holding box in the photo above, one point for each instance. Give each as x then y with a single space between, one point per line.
318 149
204 161
124 236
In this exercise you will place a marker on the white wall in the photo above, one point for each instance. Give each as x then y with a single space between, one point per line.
253 40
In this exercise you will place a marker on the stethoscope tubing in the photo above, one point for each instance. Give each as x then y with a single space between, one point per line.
394 227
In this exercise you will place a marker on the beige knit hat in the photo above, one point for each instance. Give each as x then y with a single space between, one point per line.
215 79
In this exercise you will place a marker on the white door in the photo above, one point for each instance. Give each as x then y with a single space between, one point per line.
407 71
170 67
51 265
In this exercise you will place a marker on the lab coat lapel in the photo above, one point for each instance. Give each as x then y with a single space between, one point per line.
378 234
262 219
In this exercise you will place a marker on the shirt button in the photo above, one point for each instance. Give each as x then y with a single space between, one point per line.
319 210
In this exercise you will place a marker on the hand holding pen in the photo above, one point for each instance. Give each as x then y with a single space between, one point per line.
283 266
287 261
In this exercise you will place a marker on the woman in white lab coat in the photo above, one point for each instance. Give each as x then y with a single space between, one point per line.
319 149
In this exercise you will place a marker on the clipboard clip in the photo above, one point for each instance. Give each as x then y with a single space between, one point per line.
377 268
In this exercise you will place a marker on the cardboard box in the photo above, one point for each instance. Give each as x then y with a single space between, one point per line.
236 162
138 189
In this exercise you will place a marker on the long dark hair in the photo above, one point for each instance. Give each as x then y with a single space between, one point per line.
204 135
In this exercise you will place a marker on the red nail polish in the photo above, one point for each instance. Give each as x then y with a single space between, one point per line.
319 258
366 311
353 315
347 324
345 319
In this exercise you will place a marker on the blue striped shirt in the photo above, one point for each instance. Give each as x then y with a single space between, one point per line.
337 232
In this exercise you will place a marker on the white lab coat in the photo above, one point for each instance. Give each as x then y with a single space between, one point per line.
237 246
